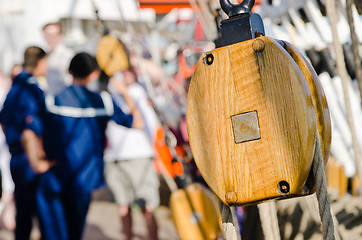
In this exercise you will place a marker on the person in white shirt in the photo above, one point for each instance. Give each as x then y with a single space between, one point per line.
59 57
129 171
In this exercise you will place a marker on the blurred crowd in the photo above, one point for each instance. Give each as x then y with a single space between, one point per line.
62 138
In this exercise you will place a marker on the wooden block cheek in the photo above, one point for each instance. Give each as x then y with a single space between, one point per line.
208 87
309 116
319 99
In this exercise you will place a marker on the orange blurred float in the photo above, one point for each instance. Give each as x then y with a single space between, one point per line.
164 156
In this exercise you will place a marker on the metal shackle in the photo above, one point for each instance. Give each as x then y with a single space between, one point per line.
231 9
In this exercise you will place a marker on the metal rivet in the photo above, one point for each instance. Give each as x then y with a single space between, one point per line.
283 187
231 197
209 58
258 45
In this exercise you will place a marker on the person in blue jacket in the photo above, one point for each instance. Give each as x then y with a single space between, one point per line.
22 122
75 137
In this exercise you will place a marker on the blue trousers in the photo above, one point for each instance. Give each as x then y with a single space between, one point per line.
63 207
25 186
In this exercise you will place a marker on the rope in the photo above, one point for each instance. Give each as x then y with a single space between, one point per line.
236 222
310 205
206 23
341 67
356 57
227 222
322 194
269 220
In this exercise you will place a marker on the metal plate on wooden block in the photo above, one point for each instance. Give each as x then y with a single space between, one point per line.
246 127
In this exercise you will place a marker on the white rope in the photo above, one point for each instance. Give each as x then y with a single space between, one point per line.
236 222
269 220
228 224
322 194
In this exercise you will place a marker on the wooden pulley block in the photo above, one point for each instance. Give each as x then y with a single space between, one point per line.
255 107
195 213
112 55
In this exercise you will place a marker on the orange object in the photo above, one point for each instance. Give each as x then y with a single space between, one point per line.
188 58
258 2
164 6
180 151
165 157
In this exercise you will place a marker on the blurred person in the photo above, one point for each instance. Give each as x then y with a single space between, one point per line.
76 124
5 84
129 169
7 215
15 71
59 57
22 121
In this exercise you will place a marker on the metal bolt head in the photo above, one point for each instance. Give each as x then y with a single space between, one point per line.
208 59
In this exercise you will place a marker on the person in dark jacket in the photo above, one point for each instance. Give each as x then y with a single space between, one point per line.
22 122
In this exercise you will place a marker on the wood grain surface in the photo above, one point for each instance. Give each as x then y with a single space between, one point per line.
256 75
319 100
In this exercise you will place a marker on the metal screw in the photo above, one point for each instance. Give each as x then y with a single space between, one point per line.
283 187
208 59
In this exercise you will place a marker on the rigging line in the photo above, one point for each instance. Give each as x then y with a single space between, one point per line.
228 223
314 15
269 220
321 191
207 14
357 59
163 80
204 21
346 80
129 28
